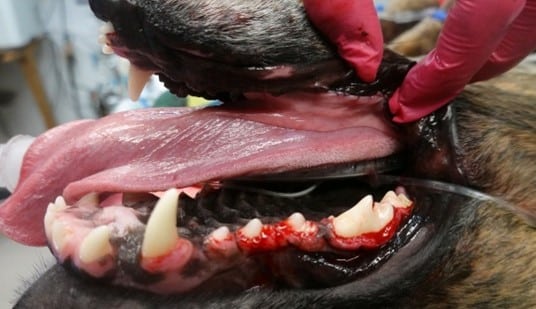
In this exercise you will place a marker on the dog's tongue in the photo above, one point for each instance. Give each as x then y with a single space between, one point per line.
155 149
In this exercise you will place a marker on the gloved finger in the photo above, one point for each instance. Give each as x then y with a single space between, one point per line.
516 45
471 33
353 26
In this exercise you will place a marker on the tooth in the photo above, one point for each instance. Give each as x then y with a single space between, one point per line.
60 203
403 201
297 221
137 78
102 39
49 218
95 245
221 233
107 27
89 200
389 197
253 228
362 218
60 233
161 231
107 50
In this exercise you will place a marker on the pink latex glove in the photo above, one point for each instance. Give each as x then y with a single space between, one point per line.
480 39
353 26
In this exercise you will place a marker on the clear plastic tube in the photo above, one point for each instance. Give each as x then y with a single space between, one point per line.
11 156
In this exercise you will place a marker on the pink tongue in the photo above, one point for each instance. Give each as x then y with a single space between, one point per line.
155 149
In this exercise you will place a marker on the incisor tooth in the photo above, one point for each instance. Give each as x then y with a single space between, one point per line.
137 78
60 203
96 245
107 50
60 233
363 218
102 39
161 231
253 228
107 27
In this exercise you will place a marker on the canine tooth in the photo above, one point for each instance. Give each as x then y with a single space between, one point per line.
161 231
137 79
107 27
253 228
49 219
297 221
90 199
107 50
220 233
95 245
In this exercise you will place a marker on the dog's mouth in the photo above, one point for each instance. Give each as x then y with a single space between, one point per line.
126 211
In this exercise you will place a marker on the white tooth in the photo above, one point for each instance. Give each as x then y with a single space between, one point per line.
363 218
107 50
389 197
161 231
90 199
102 39
253 228
297 221
60 234
60 203
403 201
220 233
107 27
49 219
137 78
95 245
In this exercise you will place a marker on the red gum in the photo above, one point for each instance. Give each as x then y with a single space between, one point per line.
368 240
174 260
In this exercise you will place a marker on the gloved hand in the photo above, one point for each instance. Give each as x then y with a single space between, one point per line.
480 39
354 27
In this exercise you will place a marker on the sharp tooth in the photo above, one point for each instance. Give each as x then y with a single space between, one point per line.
220 233
297 221
137 78
389 197
107 49
89 200
161 231
49 219
95 245
107 27
253 228
363 218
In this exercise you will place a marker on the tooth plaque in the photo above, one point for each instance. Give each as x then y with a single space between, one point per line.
161 236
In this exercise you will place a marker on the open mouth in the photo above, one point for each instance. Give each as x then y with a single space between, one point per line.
173 200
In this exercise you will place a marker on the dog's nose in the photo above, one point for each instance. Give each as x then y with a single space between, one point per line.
105 9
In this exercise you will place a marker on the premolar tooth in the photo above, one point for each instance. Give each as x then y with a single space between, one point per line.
220 233
161 231
96 245
107 27
404 201
297 221
390 197
137 78
90 199
253 228
363 218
